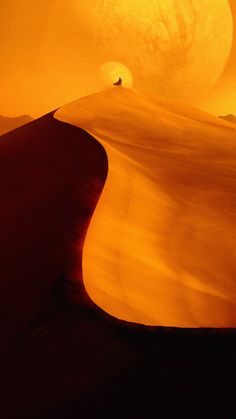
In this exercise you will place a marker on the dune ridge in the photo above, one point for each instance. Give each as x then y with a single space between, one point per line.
160 249
69 360
9 124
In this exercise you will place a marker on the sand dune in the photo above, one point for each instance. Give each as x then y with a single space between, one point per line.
51 176
230 118
8 124
160 249
63 360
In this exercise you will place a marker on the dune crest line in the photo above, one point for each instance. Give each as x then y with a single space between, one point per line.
160 248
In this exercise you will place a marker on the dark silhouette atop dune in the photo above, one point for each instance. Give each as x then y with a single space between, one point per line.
118 83
66 360
230 118
8 124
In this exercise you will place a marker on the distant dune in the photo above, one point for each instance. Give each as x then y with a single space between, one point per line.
8 124
230 118
160 249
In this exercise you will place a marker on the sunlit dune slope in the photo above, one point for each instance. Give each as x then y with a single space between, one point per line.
160 249
8 124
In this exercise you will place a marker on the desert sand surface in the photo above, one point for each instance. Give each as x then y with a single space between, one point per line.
230 118
50 182
8 124
60 356
160 249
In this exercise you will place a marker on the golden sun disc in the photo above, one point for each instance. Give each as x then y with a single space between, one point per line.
172 48
110 72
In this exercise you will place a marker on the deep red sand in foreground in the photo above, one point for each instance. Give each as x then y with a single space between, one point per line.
60 359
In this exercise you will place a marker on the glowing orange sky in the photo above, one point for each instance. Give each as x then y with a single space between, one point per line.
222 98
44 60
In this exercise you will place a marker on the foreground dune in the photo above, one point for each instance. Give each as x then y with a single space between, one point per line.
63 360
160 249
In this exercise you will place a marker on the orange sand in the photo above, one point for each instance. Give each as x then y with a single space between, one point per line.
160 249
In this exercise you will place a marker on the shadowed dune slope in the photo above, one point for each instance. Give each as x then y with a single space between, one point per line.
160 249
51 176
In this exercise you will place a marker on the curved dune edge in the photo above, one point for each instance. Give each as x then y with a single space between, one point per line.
52 175
160 248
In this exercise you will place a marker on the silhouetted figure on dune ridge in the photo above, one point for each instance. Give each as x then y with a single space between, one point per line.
118 83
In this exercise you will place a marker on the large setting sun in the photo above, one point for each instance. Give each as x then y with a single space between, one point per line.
173 48
112 71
